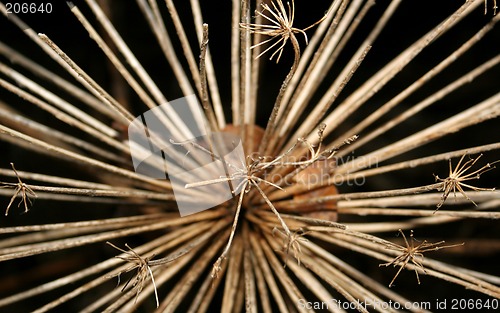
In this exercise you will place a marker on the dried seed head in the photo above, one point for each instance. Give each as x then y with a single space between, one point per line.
281 28
457 177
20 189
412 253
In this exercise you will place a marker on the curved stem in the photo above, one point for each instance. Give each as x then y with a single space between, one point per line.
271 124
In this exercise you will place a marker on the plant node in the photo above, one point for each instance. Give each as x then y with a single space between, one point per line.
292 242
412 254
457 177
281 26
249 176
143 270
20 189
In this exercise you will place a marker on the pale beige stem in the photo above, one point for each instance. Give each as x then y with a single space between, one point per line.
57 102
267 271
10 117
18 58
235 61
212 79
488 109
357 129
85 79
155 21
381 78
38 145
335 39
311 52
432 99
114 59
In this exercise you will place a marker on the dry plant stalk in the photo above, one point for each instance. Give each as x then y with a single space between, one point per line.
238 253
412 253
249 172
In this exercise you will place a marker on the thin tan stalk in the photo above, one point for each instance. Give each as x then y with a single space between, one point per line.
89 271
155 21
334 94
63 116
432 99
354 273
12 243
429 199
311 52
290 288
416 222
245 67
410 212
271 123
432 268
171 239
251 110
188 250
131 193
8 116
127 53
234 270
39 248
263 294
418 162
186 47
113 58
183 286
488 109
57 57
58 102
209 112
302 94
249 275
86 199
419 83
210 286
335 39
32 143
235 61
377 81
267 272
85 79
189 246
86 224
85 97
357 195
212 79
173 122
61 181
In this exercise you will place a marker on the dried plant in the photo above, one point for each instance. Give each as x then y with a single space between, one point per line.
143 270
292 242
457 177
342 161
20 189
247 175
412 253
281 27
